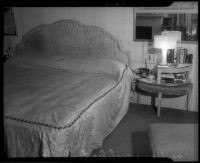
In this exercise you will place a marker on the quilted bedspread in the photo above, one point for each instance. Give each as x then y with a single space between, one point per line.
57 106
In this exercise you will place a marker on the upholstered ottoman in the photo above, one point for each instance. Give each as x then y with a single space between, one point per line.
176 141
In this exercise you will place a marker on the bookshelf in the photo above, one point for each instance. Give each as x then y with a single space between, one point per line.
174 75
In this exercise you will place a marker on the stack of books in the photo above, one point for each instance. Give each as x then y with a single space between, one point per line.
173 78
167 78
183 57
180 77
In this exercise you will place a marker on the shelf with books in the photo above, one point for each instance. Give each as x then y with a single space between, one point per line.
182 56
174 78
173 74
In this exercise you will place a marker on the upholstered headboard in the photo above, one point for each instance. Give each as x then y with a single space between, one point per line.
74 39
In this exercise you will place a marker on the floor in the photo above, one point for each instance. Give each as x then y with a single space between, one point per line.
138 119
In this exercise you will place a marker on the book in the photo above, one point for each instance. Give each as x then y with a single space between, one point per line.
167 80
180 77
181 58
179 81
187 59
178 56
185 52
190 57
182 55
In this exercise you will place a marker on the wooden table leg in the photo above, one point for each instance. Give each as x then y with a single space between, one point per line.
159 103
153 101
188 100
138 98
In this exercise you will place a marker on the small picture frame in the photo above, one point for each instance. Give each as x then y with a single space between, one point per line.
151 57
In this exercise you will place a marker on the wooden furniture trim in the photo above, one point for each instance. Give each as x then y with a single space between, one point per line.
162 89
62 28
171 70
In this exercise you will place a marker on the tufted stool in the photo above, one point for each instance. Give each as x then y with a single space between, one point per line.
176 141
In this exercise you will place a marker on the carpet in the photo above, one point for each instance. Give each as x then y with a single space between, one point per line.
137 120
141 144
110 153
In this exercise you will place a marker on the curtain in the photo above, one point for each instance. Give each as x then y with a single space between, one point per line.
9 46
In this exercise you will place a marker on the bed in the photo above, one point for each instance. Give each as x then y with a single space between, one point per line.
65 90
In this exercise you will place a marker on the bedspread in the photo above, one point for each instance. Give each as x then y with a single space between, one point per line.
54 110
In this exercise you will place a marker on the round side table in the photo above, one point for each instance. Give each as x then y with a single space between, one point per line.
163 90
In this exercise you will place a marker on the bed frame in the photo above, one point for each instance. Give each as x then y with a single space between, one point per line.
75 40
70 37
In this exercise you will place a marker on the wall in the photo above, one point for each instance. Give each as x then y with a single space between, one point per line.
179 103
154 22
117 20
108 18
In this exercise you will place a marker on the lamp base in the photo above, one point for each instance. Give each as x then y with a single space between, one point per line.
164 57
168 65
161 65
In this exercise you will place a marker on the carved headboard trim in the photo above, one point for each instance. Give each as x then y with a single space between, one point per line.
72 24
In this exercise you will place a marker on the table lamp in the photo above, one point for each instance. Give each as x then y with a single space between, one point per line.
165 42
176 34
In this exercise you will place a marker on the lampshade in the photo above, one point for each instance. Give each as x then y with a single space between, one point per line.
176 34
165 42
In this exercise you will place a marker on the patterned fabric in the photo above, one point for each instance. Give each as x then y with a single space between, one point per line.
176 141
58 104
110 153
72 39
53 103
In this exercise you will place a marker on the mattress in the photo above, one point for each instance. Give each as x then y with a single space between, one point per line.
50 97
